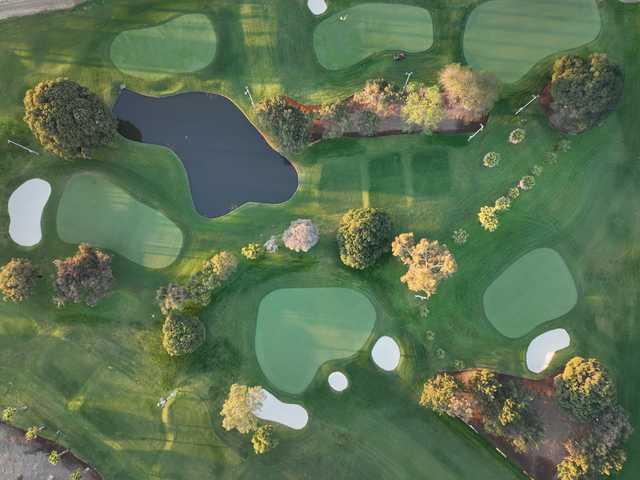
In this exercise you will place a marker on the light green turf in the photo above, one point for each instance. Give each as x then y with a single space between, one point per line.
507 37
299 329
371 28
536 288
181 45
95 211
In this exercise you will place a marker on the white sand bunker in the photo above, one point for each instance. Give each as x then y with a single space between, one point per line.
386 353
542 348
338 381
26 205
317 7
288 414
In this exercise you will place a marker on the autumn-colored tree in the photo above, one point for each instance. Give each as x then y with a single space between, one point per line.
264 440
301 236
488 218
237 410
470 92
438 392
423 107
17 279
252 251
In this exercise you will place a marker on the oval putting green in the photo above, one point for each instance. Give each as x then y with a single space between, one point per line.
354 34
508 37
95 211
536 288
299 329
181 45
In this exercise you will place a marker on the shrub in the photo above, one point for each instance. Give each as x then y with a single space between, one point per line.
253 251
517 136
301 236
584 90
536 170
513 193
429 262
491 159
363 237
286 124
67 119
84 278
17 279
473 93
182 334
527 182
488 218
263 440
423 107
460 236
585 388
502 203
237 410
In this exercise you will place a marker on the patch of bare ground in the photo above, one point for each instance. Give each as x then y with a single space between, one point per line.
28 460
538 462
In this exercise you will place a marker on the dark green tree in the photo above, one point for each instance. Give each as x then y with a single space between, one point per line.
182 334
287 125
363 236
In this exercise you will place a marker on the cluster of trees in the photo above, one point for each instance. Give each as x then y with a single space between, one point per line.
429 262
584 90
286 124
67 119
237 414
363 237
587 391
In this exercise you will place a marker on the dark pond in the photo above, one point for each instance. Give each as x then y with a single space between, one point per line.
227 160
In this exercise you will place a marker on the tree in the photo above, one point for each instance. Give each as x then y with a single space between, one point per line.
485 383
182 334
513 193
172 297
67 119
491 159
423 107
438 392
488 218
8 413
585 388
460 236
378 96
301 236
527 182
237 410
17 279
517 136
221 266
363 237
471 93
285 123
336 118
75 475
32 433
264 440
502 203
252 251
429 262
55 456
84 278
584 90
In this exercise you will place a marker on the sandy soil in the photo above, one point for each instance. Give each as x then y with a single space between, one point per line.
22 460
22 8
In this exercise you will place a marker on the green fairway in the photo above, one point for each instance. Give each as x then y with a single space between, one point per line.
368 29
508 37
299 329
536 288
182 45
95 211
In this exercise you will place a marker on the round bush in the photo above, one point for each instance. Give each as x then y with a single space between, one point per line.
182 334
517 136
363 236
491 159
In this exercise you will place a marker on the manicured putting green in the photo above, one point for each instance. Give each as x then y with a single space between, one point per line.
181 45
508 37
95 211
299 329
371 28
536 288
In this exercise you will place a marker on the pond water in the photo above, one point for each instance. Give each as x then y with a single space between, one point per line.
227 160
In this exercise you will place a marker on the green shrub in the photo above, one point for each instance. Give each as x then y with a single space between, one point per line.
263 440
517 136
363 236
527 182
491 159
460 236
182 334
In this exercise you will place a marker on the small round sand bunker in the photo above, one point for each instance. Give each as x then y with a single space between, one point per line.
317 7
386 353
338 381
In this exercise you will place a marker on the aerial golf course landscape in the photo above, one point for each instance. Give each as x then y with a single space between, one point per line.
323 239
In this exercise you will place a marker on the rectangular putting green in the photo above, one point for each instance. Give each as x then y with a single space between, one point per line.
95 211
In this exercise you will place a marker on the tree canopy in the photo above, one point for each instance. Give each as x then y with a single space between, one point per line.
363 237
17 279
423 106
438 392
67 119
264 440
285 123
470 93
237 410
182 334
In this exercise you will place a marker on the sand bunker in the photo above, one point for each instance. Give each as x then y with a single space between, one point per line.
288 414
317 7
386 353
542 349
26 205
338 381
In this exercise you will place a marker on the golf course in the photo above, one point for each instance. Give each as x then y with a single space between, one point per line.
291 315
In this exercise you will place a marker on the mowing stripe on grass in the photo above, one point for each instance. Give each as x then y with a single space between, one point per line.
354 34
508 37
95 211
